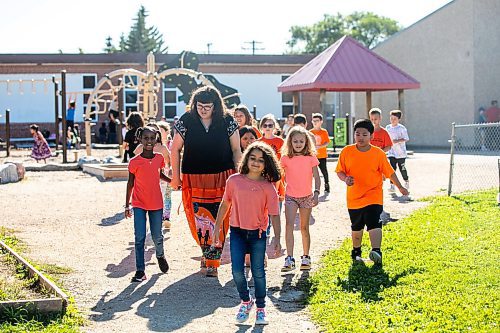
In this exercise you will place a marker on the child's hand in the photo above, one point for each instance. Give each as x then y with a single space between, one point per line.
276 246
403 191
128 212
215 239
315 199
349 180
175 184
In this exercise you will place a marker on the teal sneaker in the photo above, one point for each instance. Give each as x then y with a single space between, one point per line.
244 311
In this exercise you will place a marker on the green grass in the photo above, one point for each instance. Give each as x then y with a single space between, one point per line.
440 274
18 320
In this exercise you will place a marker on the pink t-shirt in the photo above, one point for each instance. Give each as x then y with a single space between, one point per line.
147 193
299 175
252 201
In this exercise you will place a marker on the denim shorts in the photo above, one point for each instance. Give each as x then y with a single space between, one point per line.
304 202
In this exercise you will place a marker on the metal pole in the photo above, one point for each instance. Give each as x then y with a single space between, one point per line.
347 128
7 130
452 152
254 111
63 113
56 108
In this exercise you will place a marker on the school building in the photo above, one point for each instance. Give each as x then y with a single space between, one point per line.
454 54
26 86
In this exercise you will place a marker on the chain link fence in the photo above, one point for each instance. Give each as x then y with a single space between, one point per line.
474 157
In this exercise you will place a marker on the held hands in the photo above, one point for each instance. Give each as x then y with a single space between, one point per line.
176 183
349 180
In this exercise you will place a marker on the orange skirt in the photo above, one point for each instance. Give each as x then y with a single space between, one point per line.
201 197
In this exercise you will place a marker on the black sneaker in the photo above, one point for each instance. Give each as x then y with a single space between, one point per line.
139 276
162 262
356 254
376 257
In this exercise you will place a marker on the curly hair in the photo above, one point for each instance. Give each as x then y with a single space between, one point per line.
208 94
272 170
309 148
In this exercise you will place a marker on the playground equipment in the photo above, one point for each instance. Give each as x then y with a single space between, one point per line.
148 85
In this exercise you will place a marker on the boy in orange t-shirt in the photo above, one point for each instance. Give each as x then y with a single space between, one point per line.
321 139
381 137
361 166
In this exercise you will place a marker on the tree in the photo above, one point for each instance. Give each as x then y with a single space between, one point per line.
366 27
140 38
110 48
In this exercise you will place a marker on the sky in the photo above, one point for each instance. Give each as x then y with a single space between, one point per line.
46 26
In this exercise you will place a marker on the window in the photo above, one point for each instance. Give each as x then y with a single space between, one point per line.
89 81
130 94
93 116
286 100
169 101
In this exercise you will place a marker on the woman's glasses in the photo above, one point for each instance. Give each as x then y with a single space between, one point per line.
205 107
267 125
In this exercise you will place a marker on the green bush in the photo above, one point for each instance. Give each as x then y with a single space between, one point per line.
440 274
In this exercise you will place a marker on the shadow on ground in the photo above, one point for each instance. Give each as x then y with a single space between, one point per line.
180 303
370 280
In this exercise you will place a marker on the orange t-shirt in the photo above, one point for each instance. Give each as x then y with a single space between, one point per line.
299 175
276 143
321 137
367 169
146 193
381 139
251 202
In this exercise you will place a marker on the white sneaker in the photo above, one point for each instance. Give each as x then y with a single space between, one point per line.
261 317
289 264
392 188
305 263
376 257
244 311
385 217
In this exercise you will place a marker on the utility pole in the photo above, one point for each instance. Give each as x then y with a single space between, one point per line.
253 48
208 47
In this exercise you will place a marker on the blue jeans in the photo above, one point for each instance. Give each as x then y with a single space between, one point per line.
140 234
248 241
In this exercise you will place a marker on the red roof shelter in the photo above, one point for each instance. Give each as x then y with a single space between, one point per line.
348 66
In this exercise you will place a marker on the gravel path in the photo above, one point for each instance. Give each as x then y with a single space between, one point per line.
74 220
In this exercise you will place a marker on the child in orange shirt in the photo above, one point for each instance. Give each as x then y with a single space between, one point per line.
361 166
301 166
267 125
381 137
322 139
145 171
251 197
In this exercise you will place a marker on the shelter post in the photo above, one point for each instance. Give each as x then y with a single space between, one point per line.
56 110
63 114
7 130
401 99
368 103
254 111
295 100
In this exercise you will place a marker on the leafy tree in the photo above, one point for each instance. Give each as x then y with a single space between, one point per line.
368 28
140 38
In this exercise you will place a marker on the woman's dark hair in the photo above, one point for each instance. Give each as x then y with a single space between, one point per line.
134 120
141 130
34 127
272 171
204 95
364 123
248 117
244 130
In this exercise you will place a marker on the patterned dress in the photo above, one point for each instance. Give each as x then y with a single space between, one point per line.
41 148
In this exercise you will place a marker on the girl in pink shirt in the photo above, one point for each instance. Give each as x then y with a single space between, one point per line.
301 166
145 171
252 198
